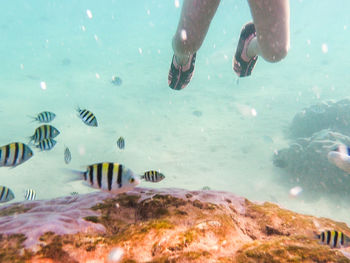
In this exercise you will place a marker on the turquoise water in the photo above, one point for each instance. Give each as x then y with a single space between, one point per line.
225 148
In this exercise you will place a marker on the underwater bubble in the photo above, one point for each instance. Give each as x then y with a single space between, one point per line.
97 76
43 85
83 28
177 3
295 191
88 13
324 48
140 50
253 112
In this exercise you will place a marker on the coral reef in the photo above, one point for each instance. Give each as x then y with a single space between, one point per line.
163 225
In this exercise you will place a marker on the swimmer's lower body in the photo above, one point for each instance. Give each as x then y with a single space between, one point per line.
270 40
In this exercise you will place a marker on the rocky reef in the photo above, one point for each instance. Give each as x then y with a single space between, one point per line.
163 225
306 163
314 133
333 115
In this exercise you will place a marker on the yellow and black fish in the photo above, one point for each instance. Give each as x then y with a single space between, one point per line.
111 177
6 194
45 116
87 117
45 131
46 144
334 239
14 154
152 176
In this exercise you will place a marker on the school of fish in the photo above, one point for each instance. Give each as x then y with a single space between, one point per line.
105 176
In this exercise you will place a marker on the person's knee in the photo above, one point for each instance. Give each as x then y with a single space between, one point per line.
275 52
186 44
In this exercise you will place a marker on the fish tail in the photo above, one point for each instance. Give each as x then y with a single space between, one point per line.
346 241
31 138
75 175
33 118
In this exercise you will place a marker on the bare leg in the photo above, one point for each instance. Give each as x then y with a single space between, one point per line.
271 20
196 16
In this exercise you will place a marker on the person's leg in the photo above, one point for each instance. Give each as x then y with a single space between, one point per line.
268 36
196 16
271 21
193 26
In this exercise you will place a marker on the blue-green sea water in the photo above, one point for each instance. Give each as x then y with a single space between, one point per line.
204 135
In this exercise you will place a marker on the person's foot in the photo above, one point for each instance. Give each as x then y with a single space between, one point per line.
242 64
179 76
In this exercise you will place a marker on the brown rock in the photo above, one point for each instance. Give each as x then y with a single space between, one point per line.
175 225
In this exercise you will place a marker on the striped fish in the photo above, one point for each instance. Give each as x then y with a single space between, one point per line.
121 143
30 194
111 177
152 176
87 117
46 144
6 194
14 154
45 117
67 155
334 239
45 131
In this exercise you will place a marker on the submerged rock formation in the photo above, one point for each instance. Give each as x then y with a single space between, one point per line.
306 163
167 225
325 115
315 132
